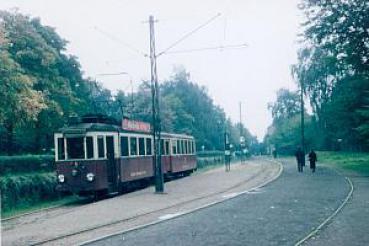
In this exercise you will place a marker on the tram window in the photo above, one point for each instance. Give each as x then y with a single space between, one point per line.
174 147
192 150
167 147
100 147
75 148
186 146
179 147
90 147
133 145
182 146
162 146
148 146
61 151
141 146
124 149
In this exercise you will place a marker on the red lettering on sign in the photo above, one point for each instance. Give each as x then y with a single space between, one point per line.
133 125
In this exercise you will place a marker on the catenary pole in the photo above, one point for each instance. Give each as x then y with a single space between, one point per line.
241 132
302 116
159 180
240 119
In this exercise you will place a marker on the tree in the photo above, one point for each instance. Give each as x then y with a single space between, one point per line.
35 53
333 68
42 87
20 102
286 106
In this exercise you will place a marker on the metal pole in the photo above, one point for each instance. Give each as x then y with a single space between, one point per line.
302 119
132 105
241 150
240 119
159 180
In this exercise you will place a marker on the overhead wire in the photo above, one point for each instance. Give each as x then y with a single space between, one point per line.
118 40
188 35
220 47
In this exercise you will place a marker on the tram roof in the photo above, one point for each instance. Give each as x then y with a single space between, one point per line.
82 128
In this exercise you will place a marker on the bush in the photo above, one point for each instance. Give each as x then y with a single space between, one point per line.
26 163
210 153
19 190
208 161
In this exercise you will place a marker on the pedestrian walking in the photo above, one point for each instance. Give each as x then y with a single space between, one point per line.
274 153
312 159
300 158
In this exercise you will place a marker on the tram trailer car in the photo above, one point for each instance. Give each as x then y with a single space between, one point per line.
99 157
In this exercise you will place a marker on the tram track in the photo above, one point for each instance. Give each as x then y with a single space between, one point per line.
66 236
72 206
52 208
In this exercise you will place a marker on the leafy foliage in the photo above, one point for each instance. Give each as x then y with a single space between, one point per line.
26 164
40 84
286 106
17 190
333 72
41 87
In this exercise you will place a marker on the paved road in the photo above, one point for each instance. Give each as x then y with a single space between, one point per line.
350 227
281 213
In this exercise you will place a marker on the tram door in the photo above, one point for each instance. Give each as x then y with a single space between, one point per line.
111 165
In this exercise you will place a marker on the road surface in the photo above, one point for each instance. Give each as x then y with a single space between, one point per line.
281 213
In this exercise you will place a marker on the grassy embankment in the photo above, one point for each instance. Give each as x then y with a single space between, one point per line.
28 183
26 192
26 207
353 163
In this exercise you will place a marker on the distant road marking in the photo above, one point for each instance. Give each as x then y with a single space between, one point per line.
230 195
169 216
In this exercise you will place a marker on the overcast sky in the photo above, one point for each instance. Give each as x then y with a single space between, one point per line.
99 31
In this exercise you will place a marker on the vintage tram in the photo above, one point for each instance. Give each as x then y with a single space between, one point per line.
96 156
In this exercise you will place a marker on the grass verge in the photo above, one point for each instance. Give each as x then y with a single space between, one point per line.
356 163
28 208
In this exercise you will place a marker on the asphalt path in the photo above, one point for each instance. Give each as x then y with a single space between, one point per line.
349 227
280 213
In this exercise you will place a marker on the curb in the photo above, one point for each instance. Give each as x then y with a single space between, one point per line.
327 220
189 211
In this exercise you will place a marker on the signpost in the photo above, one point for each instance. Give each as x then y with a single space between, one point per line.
242 148
227 152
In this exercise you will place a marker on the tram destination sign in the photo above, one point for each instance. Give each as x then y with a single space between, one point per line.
134 125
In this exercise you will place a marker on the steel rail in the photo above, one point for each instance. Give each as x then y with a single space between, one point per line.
69 235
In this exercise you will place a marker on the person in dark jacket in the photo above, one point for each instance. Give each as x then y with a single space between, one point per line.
300 157
274 153
312 159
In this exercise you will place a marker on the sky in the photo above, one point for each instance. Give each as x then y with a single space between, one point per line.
112 36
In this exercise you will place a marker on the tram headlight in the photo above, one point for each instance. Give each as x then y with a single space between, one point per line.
90 177
61 178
